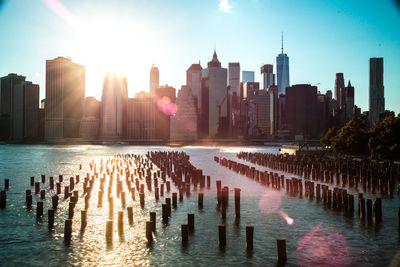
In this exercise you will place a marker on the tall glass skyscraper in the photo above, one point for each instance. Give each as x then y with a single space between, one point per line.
282 71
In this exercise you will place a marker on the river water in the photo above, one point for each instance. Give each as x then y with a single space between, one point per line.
317 236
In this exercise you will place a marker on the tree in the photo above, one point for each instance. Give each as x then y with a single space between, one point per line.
384 141
352 138
328 137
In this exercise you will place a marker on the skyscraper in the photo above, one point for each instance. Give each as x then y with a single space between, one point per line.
184 122
282 71
339 90
91 118
376 89
25 112
234 77
193 81
247 76
214 97
65 92
349 102
154 79
7 86
113 116
267 76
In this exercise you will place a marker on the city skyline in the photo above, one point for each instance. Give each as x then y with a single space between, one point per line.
367 35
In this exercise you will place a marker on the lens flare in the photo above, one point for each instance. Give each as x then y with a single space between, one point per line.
323 246
270 202
165 105
288 219
58 8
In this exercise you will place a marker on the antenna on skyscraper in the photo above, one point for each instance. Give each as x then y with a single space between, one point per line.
282 43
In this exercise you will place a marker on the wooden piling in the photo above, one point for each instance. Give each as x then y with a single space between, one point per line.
68 230
50 219
191 221
130 215
37 188
281 246
109 232
121 224
174 200
200 200
377 211
165 212
39 210
149 231
153 219
249 236
237 202
222 235
6 184
83 219
185 233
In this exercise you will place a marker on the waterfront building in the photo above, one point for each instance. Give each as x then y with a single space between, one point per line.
165 101
90 123
234 77
65 91
214 110
282 71
302 116
184 122
376 89
247 76
349 102
7 85
113 112
25 112
154 79
193 81
141 118
267 76
263 102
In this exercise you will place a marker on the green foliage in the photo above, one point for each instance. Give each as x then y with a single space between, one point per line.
330 134
352 138
384 141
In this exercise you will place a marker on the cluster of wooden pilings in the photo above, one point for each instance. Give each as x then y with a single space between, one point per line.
335 198
365 175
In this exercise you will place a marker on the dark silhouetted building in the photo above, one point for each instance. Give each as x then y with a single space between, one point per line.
7 85
304 111
165 101
65 92
25 112
339 90
90 124
142 118
376 89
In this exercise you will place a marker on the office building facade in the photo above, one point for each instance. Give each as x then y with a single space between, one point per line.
376 89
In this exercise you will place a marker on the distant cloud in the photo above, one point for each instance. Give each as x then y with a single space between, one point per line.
225 6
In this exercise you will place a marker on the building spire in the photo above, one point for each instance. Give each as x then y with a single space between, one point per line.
282 43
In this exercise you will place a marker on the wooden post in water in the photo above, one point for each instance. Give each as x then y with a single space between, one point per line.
83 219
168 202
174 200
37 188
165 212
141 196
50 219
237 202
130 215
281 246
121 225
109 232
6 184
39 210
42 194
54 201
249 237
68 230
200 201
32 181
369 210
29 201
377 211
191 221
153 219
149 231
222 235
185 233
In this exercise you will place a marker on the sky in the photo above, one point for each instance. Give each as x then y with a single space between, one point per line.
321 38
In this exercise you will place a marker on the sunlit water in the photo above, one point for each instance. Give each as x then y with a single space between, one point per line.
314 235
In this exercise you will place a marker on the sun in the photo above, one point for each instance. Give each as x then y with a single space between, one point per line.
110 45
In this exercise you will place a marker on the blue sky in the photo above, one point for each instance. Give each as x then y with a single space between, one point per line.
321 38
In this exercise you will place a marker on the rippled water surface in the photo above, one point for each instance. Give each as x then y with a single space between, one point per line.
318 236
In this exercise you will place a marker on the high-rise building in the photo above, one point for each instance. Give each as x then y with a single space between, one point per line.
90 123
234 77
154 79
376 89
166 107
25 112
113 112
7 86
339 90
214 98
184 122
302 110
193 81
250 89
282 71
263 102
65 92
267 76
141 121
247 76
349 102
